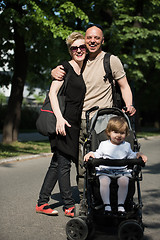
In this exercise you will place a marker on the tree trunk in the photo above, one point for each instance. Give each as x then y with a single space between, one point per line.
12 119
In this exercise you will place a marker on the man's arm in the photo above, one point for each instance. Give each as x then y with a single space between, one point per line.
58 73
127 95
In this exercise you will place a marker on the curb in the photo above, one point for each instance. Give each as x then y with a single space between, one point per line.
147 138
21 158
27 157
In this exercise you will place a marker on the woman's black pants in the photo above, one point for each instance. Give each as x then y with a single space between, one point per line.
59 169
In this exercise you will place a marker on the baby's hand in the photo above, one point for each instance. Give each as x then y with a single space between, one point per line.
88 155
144 157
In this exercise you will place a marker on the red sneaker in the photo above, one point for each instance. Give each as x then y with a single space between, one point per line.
46 209
69 212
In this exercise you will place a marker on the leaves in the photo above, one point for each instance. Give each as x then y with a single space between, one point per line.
44 26
131 31
68 7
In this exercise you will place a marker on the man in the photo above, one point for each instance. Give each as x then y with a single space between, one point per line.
99 92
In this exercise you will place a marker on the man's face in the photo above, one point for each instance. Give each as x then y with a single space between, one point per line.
94 39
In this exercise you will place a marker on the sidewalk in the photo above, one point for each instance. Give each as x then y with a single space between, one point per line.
35 136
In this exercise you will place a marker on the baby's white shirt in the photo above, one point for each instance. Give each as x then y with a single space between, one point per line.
109 150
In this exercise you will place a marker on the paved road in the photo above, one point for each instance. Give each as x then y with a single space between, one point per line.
20 183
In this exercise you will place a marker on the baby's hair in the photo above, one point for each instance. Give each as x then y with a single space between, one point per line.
117 124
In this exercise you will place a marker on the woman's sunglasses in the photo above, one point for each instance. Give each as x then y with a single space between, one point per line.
75 48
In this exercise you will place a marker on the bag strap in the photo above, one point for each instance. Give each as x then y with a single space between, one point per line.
64 85
85 62
109 76
107 68
66 78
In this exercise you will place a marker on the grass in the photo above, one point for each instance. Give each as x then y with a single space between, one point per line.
23 148
148 132
32 147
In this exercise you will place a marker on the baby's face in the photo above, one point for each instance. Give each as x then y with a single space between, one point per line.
117 137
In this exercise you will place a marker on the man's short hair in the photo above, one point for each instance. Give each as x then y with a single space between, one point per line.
94 25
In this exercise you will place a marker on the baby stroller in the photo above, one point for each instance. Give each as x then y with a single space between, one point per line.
90 211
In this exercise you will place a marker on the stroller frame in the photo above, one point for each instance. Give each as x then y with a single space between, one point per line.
130 226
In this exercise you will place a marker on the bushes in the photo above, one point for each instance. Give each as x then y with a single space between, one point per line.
28 117
3 110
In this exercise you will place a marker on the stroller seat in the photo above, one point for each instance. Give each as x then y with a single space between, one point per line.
93 181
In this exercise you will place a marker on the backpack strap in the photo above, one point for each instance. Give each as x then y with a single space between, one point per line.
109 76
84 63
116 92
107 68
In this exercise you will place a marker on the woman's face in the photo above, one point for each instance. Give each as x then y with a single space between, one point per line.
78 50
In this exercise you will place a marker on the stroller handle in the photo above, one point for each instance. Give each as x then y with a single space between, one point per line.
94 162
87 116
91 110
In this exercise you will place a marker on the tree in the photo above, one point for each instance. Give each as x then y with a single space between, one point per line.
29 29
35 31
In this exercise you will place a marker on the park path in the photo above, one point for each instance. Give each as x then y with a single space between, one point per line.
20 183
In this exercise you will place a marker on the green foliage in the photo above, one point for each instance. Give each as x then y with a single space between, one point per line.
3 99
44 25
136 28
131 31
39 98
134 25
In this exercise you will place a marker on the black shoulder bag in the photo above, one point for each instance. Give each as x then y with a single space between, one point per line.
46 122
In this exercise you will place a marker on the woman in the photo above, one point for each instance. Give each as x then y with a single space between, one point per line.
65 144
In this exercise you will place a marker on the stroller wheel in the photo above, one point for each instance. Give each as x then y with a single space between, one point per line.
76 229
130 230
